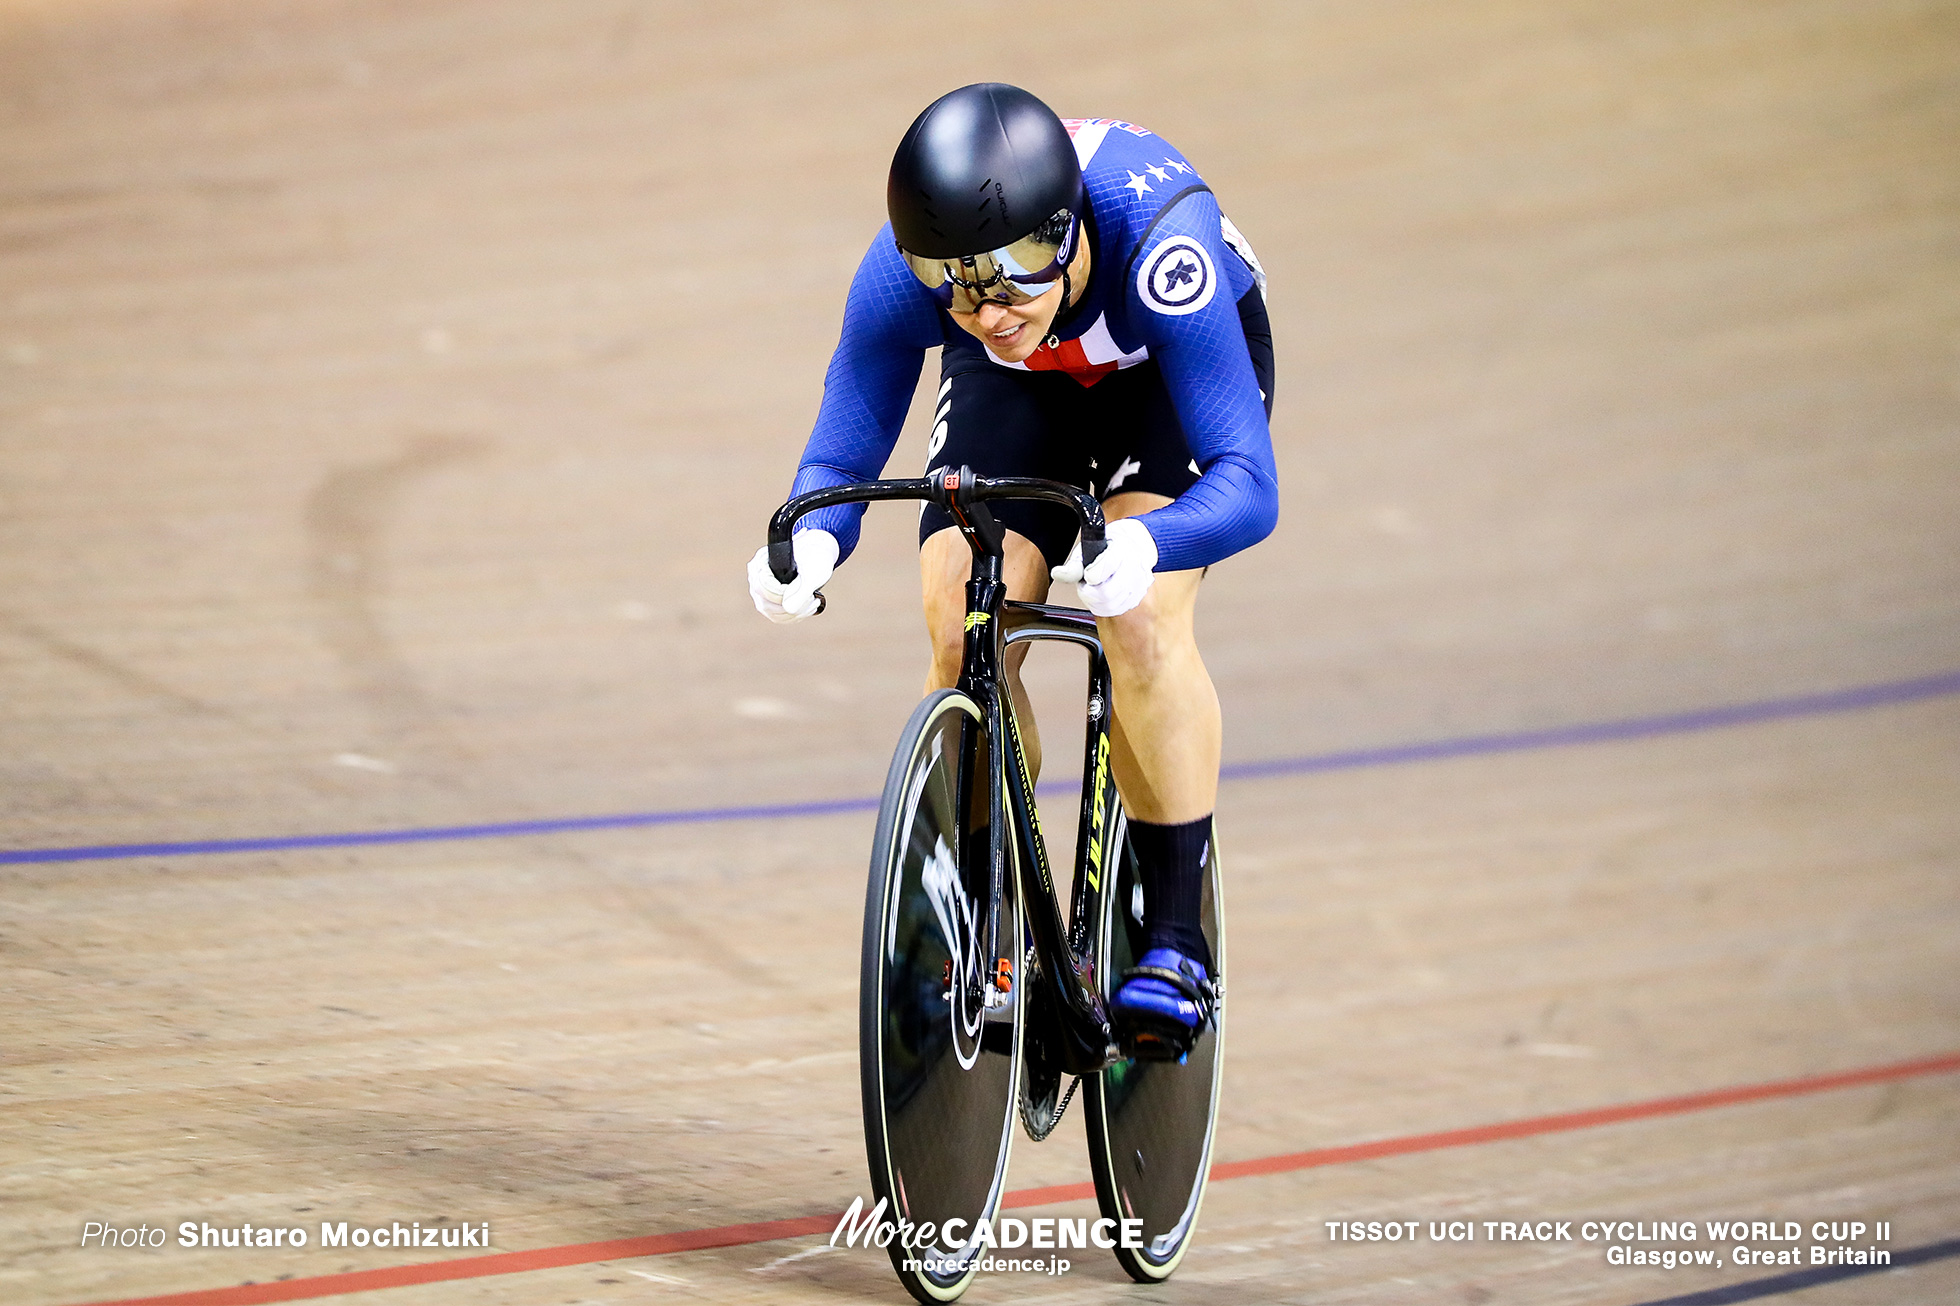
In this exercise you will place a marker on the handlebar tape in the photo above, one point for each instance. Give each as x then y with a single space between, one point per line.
782 561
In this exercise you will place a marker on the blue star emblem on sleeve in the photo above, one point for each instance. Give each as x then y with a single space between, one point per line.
1177 276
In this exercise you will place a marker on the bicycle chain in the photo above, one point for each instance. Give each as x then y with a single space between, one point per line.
1054 1117
1061 1108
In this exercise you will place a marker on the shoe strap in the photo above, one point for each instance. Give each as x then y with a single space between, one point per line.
1202 996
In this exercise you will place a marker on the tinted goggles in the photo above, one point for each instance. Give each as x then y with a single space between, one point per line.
1013 274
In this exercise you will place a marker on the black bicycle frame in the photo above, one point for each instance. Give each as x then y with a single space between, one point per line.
993 622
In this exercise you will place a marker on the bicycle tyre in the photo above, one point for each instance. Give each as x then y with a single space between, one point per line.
939 1071
1150 1123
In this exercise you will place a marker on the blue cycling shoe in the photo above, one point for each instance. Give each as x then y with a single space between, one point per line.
1166 1002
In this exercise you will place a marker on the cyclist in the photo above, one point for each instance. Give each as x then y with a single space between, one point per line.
1102 324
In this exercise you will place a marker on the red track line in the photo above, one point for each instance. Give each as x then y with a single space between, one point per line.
737 1235
1605 1115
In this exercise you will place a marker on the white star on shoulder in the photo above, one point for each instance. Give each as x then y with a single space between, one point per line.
1137 184
1181 167
1123 472
1157 172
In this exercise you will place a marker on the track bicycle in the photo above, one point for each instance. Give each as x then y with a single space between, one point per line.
978 997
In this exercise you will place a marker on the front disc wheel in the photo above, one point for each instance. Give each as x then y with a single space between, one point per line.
939 1043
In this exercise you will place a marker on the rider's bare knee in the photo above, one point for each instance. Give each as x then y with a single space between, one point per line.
1144 640
948 640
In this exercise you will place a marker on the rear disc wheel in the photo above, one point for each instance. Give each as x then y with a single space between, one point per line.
1150 1122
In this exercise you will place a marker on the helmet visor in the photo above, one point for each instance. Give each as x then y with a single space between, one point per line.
1013 274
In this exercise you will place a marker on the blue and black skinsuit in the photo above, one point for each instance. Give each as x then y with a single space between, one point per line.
1173 324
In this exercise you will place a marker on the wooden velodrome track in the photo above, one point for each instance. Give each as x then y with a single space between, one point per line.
390 396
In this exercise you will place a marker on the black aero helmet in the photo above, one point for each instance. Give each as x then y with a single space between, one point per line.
985 196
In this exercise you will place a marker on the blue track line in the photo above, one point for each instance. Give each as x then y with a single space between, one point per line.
1856 699
1798 1280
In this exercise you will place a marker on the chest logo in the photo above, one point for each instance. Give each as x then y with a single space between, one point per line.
1176 277
1088 358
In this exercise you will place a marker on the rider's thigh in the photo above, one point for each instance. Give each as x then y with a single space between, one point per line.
945 562
1162 626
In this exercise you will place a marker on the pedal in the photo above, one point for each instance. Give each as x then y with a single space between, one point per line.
1148 1047
1167 1042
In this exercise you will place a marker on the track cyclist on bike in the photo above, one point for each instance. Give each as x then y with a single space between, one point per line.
1105 325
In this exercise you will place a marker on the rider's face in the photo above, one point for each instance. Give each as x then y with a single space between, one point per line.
1014 331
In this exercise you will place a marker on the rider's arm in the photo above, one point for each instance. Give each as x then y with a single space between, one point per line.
1235 503
889 323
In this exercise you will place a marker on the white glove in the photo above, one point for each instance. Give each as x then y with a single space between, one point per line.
1071 568
1117 581
816 557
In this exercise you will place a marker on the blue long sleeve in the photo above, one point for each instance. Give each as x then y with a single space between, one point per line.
889 323
1235 503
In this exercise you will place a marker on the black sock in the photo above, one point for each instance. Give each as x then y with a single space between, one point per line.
1173 861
